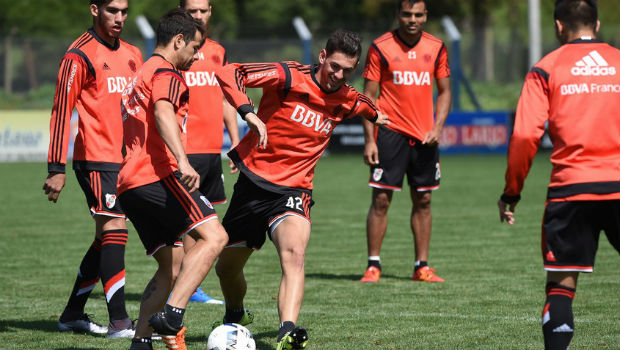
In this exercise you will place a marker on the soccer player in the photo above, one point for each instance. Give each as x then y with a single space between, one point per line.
208 112
401 65
158 187
300 107
92 76
575 89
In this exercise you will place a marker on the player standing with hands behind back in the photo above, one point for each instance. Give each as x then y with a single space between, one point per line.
583 197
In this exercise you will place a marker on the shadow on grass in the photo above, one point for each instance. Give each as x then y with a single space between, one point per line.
40 325
331 276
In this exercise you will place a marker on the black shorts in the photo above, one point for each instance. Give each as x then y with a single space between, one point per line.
209 166
571 230
163 211
255 211
400 155
100 190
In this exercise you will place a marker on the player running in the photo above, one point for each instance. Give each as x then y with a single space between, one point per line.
575 89
401 65
158 187
92 76
208 112
300 107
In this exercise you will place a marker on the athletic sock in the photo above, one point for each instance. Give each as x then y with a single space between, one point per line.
141 344
233 315
285 327
557 318
419 264
375 261
85 282
112 271
174 316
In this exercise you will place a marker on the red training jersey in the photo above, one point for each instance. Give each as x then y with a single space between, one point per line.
299 115
405 74
576 90
91 78
148 158
205 133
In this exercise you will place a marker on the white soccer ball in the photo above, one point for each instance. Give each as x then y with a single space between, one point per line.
231 336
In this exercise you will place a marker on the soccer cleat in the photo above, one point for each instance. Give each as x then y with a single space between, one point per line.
295 339
160 325
127 332
201 297
426 274
175 342
246 319
371 275
82 325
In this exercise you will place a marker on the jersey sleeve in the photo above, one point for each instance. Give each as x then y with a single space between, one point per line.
364 107
442 66
374 62
72 76
234 78
529 126
168 85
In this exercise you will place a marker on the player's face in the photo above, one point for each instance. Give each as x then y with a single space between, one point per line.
200 10
110 18
411 18
335 69
188 53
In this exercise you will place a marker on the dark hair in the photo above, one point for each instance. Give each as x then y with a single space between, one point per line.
182 3
399 4
177 21
349 43
100 3
575 14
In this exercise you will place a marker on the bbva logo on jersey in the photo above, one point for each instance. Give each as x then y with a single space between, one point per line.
411 78
200 79
312 120
117 84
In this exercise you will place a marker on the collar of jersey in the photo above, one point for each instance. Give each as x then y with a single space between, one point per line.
315 67
164 58
585 41
117 42
410 46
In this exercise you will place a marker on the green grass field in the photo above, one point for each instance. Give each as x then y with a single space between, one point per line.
492 298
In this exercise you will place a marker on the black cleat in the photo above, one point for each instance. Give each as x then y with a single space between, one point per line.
295 339
160 325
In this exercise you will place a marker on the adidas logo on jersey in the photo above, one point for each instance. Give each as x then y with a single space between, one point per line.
593 64
105 66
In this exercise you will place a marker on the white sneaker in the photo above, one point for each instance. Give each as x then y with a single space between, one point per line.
128 332
82 325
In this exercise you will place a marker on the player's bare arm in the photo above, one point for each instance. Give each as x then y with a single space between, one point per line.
444 99
54 183
230 121
371 153
168 128
258 127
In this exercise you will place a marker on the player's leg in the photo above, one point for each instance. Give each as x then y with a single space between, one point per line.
423 175
229 269
376 224
156 292
557 317
290 238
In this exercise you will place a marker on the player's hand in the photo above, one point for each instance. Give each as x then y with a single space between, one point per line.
54 183
189 176
506 212
231 164
371 153
382 119
432 137
258 127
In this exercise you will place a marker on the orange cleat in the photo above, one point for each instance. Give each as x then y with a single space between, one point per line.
175 342
426 274
371 275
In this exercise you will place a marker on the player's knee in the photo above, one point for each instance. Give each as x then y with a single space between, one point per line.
381 204
294 258
422 201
